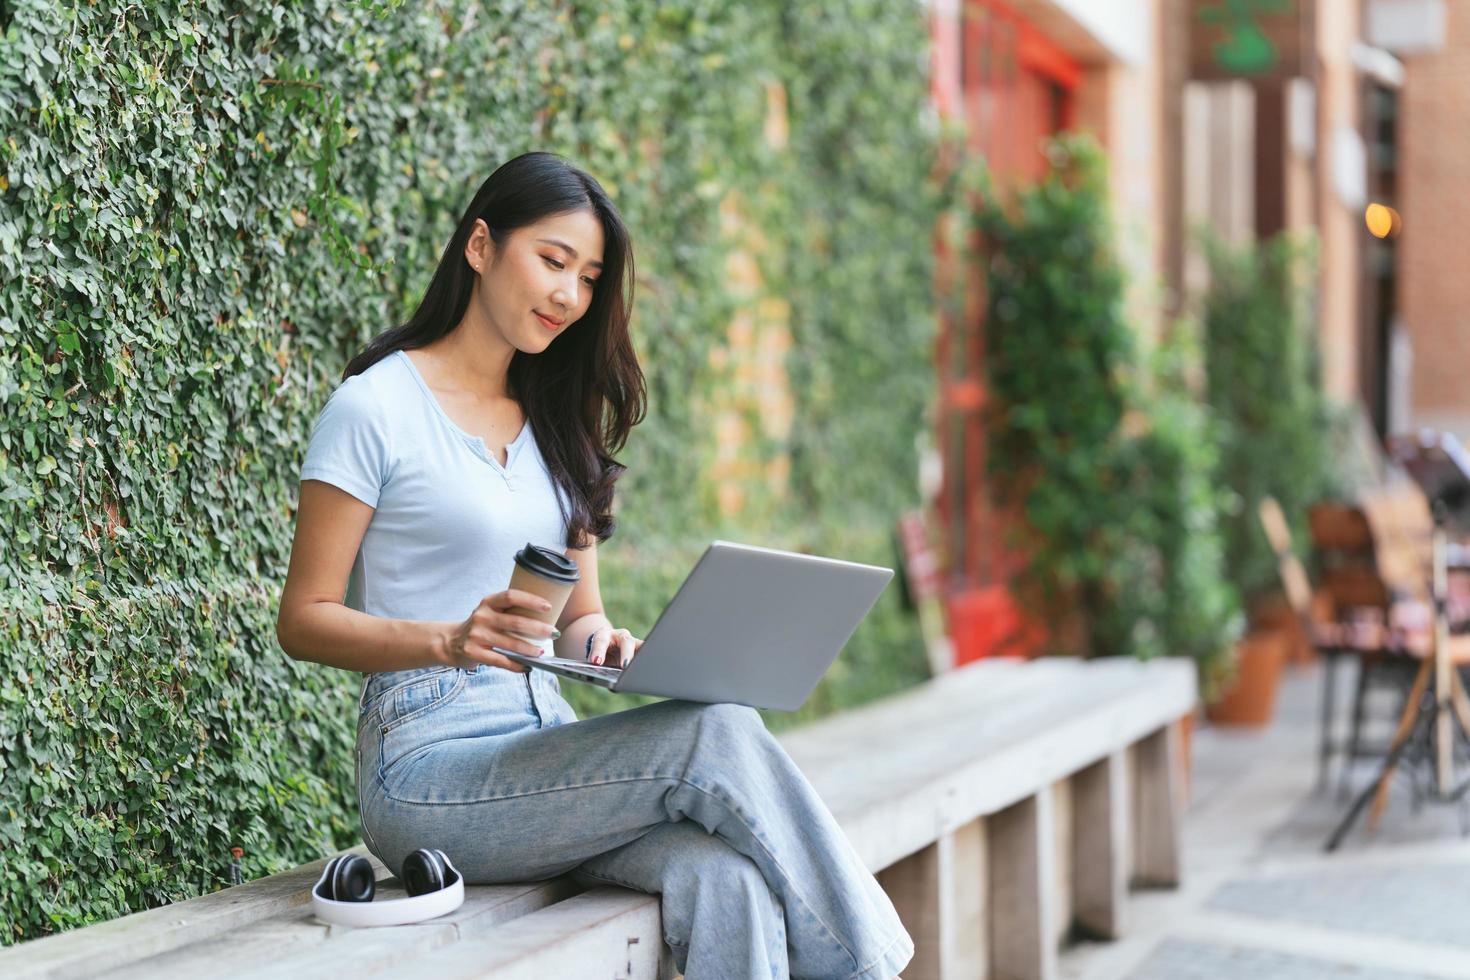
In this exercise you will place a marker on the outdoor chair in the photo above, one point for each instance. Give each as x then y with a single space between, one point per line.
1367 622
1375 561
1360 621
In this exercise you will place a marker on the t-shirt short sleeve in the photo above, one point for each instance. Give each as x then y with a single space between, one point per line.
349 445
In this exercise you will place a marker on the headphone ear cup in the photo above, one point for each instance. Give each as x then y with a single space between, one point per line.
445 867
329 874
352 879
424 871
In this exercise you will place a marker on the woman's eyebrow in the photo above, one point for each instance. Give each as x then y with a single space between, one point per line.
570 251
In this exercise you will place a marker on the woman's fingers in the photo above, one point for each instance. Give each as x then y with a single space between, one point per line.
619 641
507 640
512 598
628 645
600 640
527 627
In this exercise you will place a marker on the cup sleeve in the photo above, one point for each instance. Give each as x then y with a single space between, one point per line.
349 445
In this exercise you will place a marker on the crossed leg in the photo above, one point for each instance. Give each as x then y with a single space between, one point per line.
544 802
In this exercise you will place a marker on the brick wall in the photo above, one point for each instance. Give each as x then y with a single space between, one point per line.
1434 201
751 397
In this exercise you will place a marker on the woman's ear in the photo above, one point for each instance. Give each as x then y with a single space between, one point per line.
479 250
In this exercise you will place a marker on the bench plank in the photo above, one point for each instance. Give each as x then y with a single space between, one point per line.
298 943
827 744
981 708
111 945
602 934
963 756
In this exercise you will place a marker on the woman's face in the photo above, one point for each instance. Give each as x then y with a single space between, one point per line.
541 280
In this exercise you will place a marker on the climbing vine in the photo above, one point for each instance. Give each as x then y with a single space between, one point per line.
207 208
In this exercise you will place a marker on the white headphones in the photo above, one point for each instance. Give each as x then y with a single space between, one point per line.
343 895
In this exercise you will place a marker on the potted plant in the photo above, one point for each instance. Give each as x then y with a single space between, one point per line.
1275 431
1104 449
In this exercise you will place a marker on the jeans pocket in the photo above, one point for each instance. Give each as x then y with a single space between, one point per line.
382 688
419 696
406 719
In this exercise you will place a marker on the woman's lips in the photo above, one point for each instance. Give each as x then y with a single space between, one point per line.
548 324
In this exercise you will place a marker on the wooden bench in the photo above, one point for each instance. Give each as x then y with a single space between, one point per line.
1001 805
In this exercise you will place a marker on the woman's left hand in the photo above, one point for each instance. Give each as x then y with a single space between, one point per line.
615 647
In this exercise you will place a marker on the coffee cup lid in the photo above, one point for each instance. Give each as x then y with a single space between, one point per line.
547 563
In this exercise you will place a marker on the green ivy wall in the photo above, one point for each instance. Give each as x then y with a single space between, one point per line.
205 209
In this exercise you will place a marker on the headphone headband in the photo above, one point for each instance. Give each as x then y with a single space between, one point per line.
392 912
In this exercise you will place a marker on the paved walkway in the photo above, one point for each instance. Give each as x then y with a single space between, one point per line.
1262 900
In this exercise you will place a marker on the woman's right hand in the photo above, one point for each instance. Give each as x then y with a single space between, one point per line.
491 625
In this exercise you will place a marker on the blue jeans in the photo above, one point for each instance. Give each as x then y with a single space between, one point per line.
696 803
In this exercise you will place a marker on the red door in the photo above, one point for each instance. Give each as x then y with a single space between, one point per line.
1015 89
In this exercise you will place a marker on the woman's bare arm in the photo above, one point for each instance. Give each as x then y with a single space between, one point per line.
583 611
313 623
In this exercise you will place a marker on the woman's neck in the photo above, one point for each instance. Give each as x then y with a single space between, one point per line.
474 358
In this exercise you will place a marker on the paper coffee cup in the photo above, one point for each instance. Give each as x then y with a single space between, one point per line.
549 574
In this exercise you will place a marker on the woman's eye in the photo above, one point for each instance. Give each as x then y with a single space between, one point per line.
559 266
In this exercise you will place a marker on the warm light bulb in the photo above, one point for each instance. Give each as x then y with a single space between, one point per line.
1381 219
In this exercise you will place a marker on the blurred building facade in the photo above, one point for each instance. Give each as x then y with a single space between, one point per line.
1248 118
1432 311
1016 72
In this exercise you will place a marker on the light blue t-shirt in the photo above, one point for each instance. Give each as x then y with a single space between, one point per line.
449 518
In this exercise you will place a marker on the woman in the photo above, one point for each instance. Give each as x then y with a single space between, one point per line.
483 423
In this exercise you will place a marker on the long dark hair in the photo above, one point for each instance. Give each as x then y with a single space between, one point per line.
585 392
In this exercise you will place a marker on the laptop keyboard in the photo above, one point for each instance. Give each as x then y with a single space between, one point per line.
585 667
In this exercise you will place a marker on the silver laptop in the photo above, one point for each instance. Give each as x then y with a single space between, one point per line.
752 626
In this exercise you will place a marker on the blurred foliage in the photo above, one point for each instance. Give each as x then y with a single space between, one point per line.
1105 448
1277 430
1182 589
206 208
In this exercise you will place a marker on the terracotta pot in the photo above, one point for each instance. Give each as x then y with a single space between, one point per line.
1250 698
